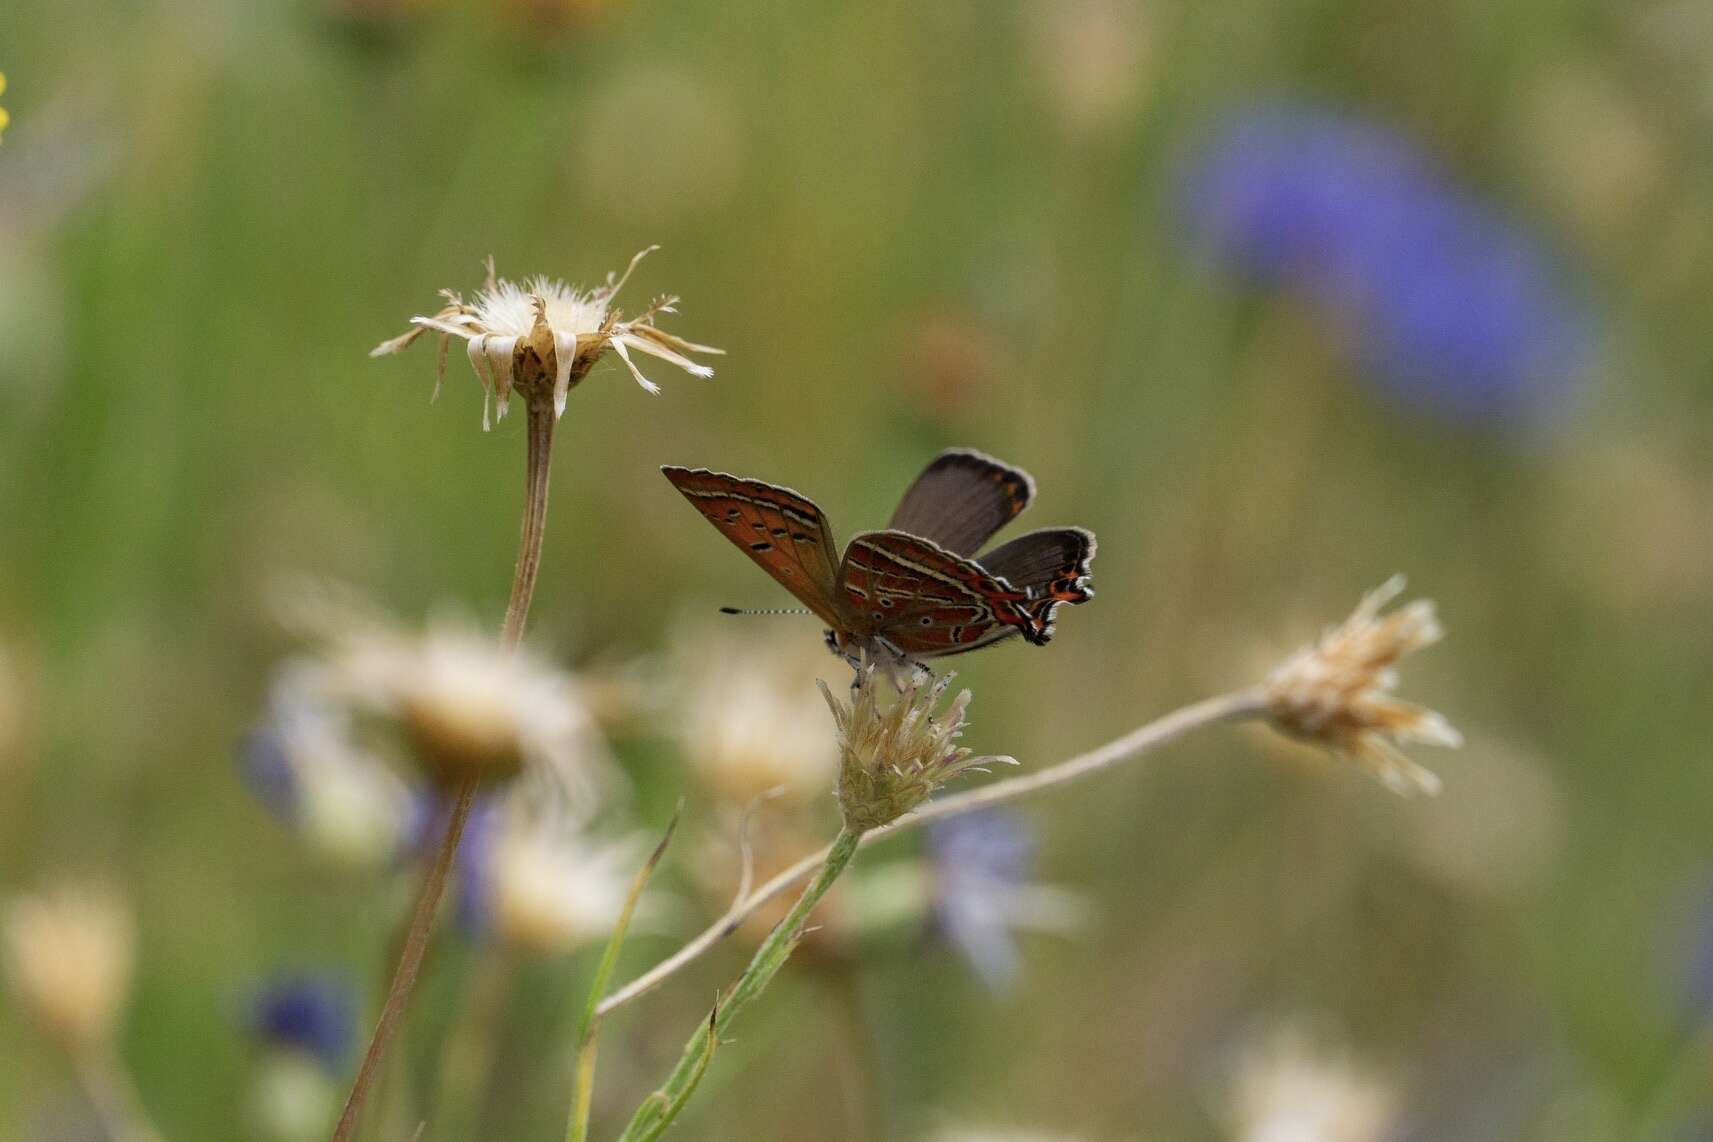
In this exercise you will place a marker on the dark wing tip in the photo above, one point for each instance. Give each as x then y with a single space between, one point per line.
983 462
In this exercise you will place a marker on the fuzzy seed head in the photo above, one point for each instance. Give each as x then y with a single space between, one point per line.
752 724
69 957
1288 1091
465 703
893 756
554 890
1338 692
541 337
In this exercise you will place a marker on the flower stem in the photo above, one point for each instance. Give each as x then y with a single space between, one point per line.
657 1111
410 959
1236 706
538 465
467 1056
111 1093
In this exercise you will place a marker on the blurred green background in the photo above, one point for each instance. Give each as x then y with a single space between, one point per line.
911 225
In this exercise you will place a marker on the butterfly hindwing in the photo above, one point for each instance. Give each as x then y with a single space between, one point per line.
923 599
782 531
1050 566
961 498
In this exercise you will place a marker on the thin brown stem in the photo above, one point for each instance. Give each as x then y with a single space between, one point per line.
538 466
410 960
1235 706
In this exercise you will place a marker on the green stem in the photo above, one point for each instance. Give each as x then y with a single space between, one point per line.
467 1057
658 1110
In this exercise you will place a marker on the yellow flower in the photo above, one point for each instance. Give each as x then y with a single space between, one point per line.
4 118
1338 692
541 337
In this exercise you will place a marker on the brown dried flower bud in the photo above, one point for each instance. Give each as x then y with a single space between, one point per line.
1338 691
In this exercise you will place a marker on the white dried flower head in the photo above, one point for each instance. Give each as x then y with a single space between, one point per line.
893 756
752 721
551 888
69 958
541 336
1288 1091
466 703
1338 692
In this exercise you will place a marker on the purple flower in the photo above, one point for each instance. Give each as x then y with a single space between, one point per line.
474 903
1453 308
1692 966
982 866
264 766
315 1014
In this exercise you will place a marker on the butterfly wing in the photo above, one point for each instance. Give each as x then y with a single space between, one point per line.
1050 566
925 600
961 498
784 532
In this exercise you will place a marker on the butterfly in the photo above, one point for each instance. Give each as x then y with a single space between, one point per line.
917 589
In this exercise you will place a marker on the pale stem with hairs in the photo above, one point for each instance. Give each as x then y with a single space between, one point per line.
1237 706
538 465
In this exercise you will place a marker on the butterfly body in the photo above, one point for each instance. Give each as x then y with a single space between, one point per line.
915 589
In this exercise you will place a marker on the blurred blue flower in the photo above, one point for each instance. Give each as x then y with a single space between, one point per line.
474 864
982 866
315 1014
1453 308
264 766
1693 952
305 769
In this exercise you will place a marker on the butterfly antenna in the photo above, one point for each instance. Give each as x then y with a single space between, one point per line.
765 611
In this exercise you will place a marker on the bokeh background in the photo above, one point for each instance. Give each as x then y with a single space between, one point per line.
1278 298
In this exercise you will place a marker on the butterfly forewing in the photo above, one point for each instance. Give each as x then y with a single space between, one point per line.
961 498
923 599
784 532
